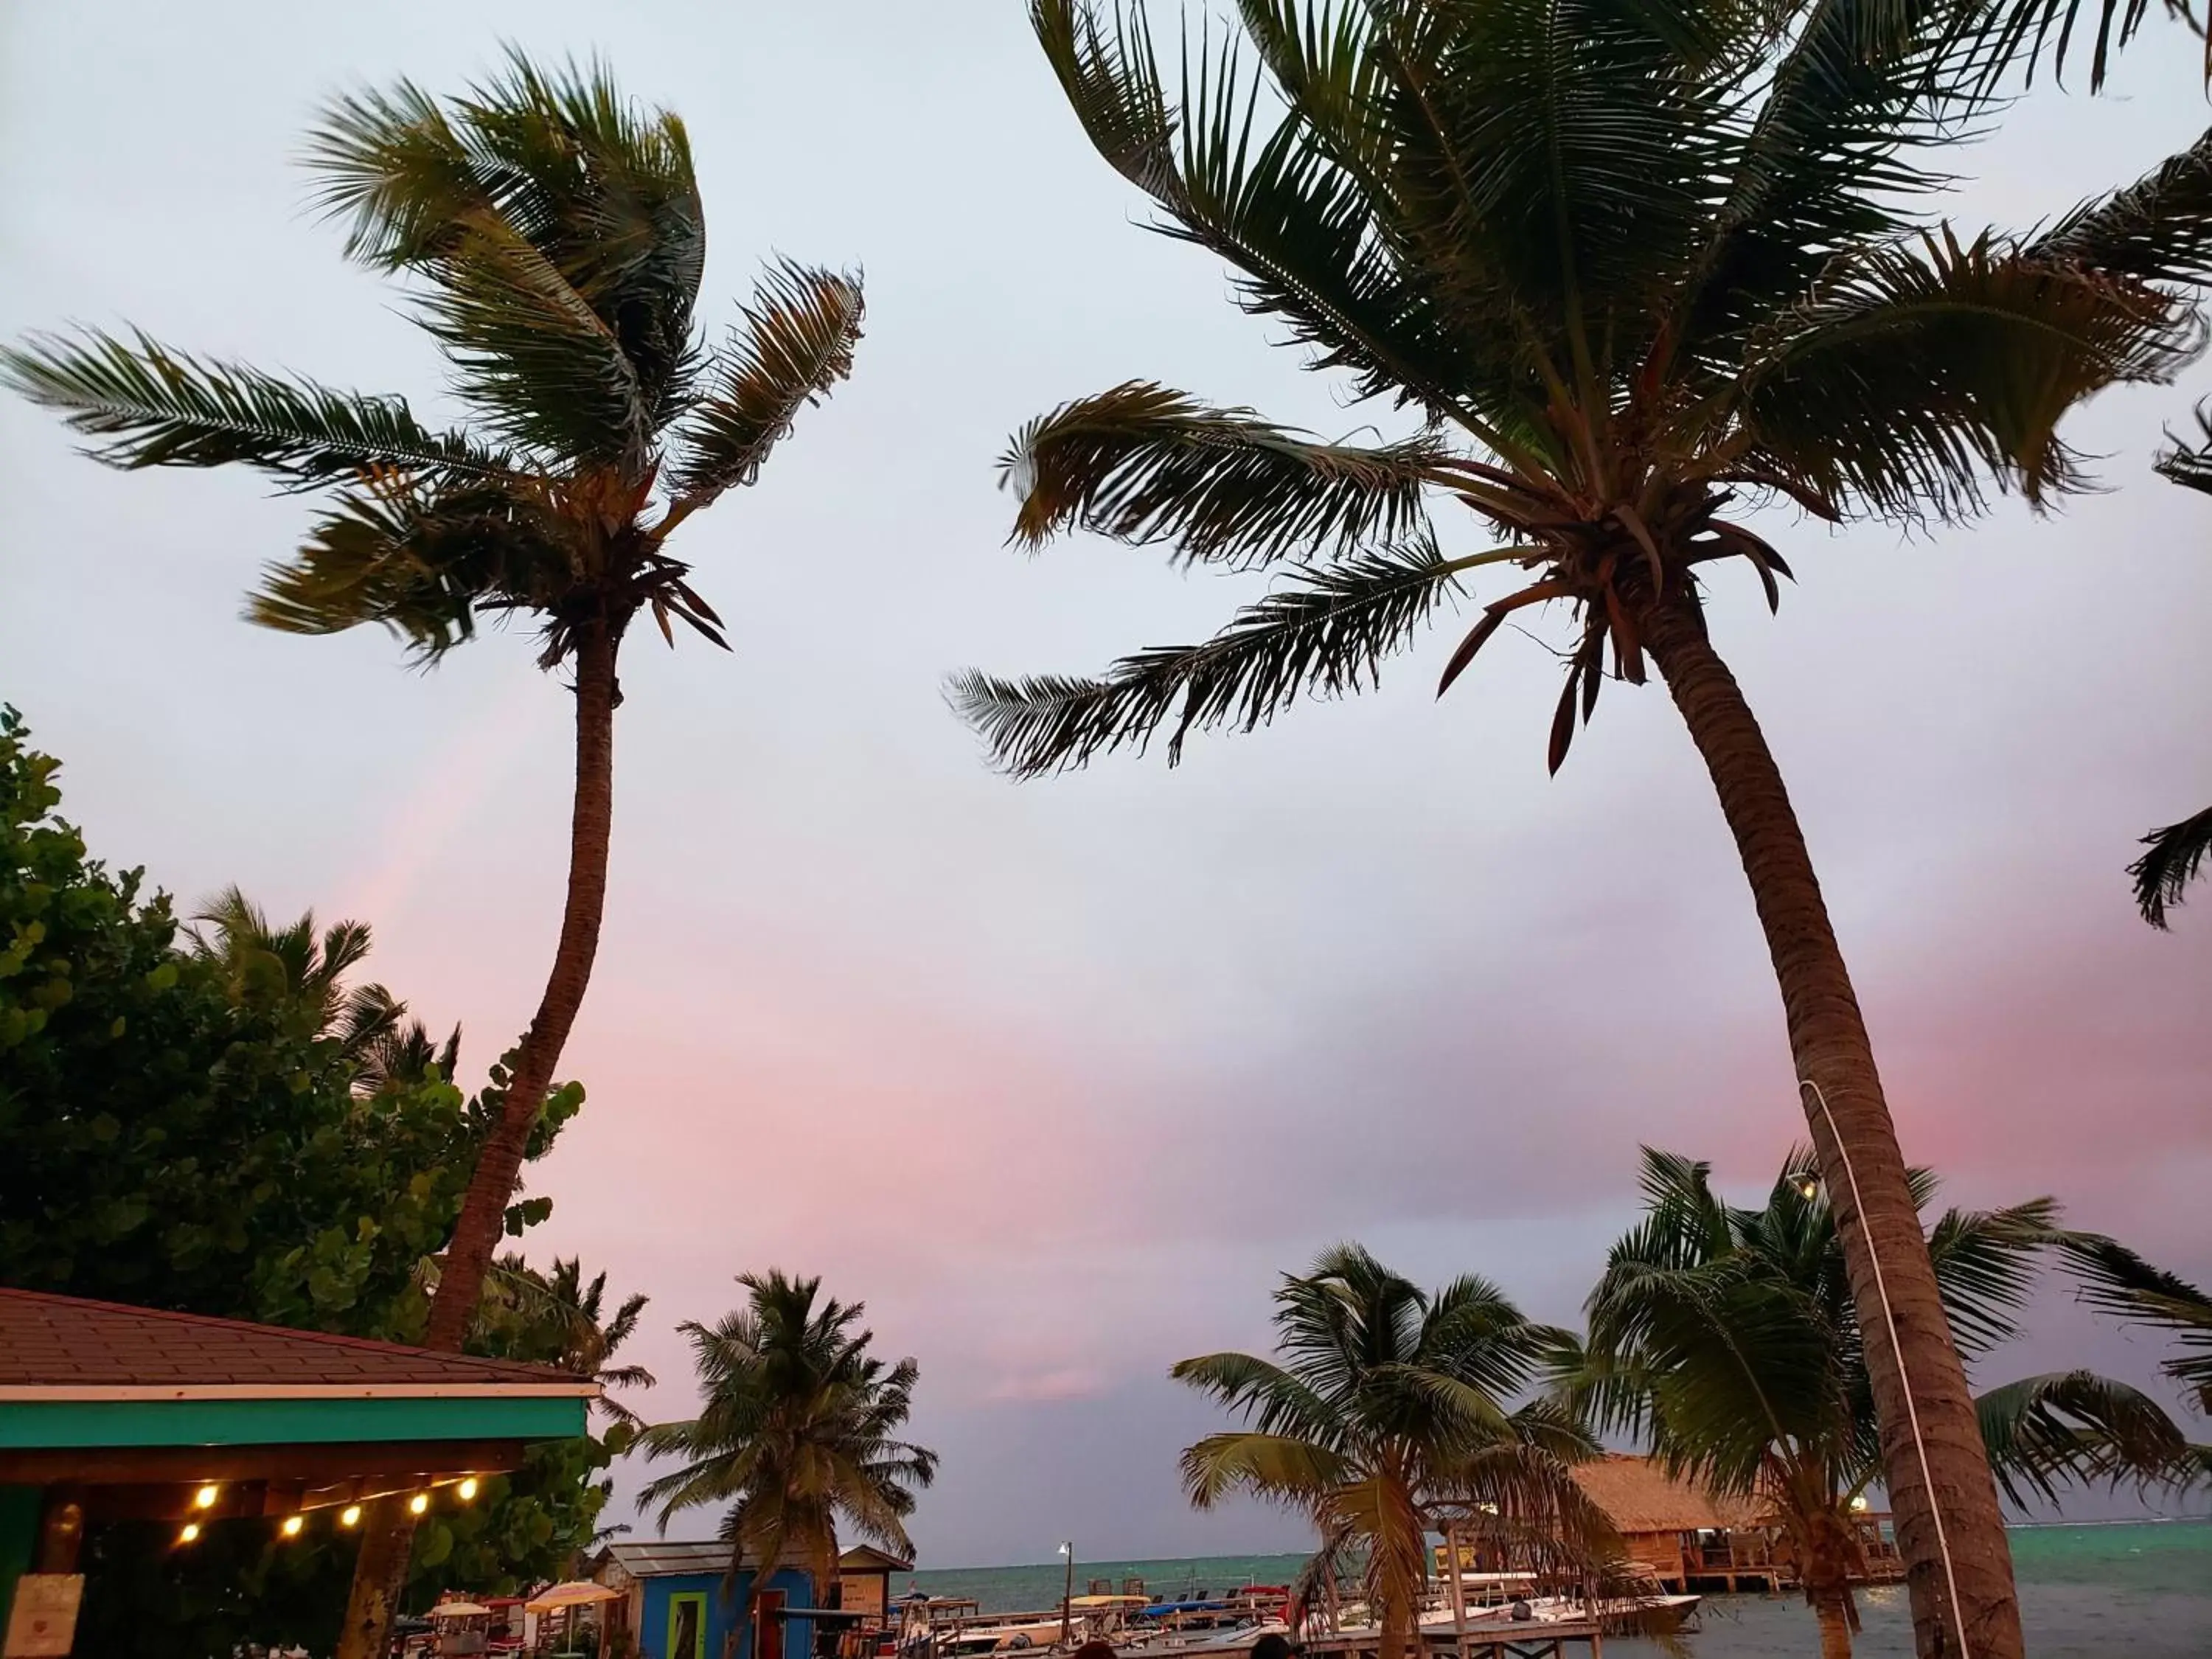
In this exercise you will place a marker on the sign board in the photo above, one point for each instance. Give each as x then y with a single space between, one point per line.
864 1594
43 1622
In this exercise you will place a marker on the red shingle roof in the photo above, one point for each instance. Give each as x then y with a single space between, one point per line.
63 1343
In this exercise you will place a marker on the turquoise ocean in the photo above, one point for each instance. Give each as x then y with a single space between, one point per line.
2119 1591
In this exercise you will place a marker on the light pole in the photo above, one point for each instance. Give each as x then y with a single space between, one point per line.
1067 1595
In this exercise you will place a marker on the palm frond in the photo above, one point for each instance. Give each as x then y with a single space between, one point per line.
1295 225
2158 230
2076 1428
540 364
163 407
1861 90
1279 1469
2162 875
1143 464
1909 378
1323 631
796 344
1985 1265
2013 34
2116 1280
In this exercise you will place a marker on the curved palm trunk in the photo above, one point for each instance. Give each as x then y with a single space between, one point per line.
1950 1531
381 1571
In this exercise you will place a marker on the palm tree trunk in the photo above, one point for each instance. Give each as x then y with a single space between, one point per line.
1950 1531
1832 1605
380 1572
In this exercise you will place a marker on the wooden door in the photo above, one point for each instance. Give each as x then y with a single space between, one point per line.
767 1624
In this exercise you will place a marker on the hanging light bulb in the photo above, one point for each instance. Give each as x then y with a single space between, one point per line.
205 1497
419 1503
292 1525
188 1532
350 1515
468 1490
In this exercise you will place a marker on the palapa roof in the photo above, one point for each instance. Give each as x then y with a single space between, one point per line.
1638 1495
54 1347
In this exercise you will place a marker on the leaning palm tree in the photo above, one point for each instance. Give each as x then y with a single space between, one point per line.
551 239
1628 263
1730 1338
797 1434
1387 1411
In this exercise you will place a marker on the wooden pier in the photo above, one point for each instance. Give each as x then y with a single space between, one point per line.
1549 1639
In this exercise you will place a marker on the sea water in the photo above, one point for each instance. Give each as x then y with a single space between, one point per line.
2119 1591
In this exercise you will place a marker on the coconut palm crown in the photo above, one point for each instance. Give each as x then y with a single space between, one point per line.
1387 1410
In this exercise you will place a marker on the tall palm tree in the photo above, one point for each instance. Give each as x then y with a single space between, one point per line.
1387 1411
1729 1337
551 239
797 1433
1628 263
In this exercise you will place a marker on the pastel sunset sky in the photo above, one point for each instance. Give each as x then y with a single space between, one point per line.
1059 1077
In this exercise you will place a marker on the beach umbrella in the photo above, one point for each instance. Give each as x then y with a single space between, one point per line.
578 1593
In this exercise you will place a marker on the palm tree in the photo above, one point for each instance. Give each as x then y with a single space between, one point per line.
1385 1413
1628 263
797 1433
552 237
1730 1337
299 978
561 1320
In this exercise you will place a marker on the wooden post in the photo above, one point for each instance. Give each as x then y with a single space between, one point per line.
1458 1589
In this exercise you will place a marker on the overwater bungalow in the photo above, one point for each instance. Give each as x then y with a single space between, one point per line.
1686 1538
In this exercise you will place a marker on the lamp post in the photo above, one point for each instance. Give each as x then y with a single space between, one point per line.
1067 1595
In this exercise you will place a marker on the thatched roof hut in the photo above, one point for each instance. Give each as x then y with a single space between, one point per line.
1638 1496
1661 1519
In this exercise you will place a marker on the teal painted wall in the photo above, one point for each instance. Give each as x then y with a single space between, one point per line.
19 1508
44 1423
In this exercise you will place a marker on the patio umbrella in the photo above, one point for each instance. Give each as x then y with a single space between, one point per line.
577 1593
457 1610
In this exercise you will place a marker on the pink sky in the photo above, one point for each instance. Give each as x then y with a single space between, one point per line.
1058 1077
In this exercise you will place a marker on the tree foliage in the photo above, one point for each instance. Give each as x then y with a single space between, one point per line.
223 1122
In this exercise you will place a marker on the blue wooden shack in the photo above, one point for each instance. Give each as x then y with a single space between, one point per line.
677 1603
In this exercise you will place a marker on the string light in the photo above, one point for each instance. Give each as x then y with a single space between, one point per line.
468 1490
205 1497
292 1525
419 1503
350 1515
189 1531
